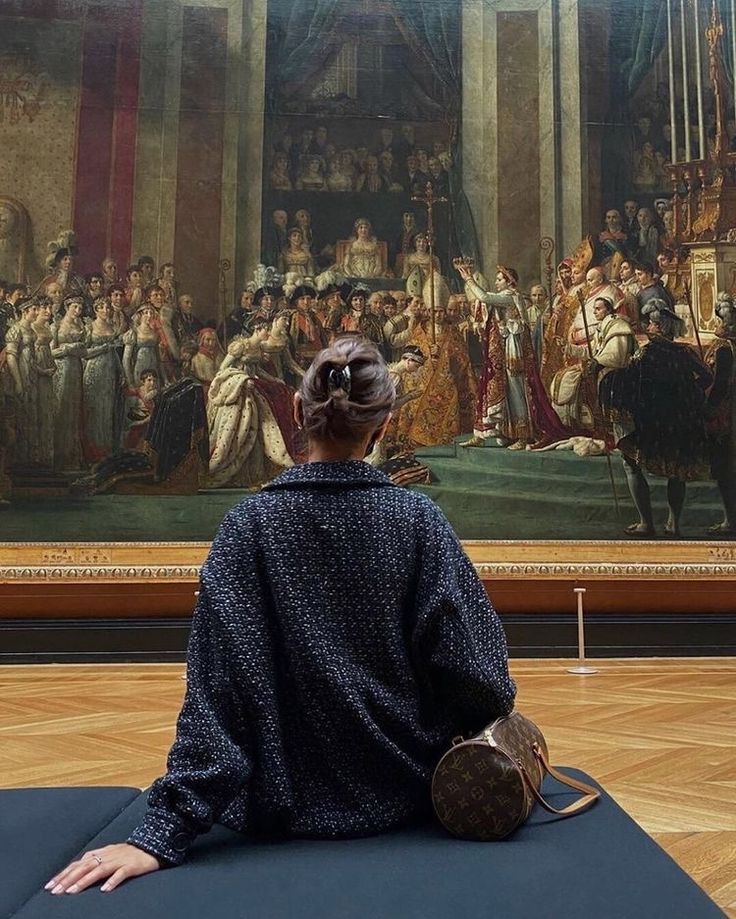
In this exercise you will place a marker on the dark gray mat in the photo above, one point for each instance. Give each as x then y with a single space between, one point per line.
40 828
599 865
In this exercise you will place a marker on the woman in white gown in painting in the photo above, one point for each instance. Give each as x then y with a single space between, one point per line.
364 255
104 401
68 350
20 355
44 369
251 427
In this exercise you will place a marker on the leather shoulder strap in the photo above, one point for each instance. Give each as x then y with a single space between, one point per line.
590 794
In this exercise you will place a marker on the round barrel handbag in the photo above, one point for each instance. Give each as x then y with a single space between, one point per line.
485 787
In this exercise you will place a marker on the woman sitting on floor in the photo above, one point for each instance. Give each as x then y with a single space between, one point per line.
340 640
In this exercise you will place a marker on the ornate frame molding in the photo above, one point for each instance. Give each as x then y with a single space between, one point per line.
29 563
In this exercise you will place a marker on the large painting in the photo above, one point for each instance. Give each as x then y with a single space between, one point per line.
530 208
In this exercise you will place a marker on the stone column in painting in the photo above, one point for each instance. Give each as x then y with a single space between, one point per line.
170 140
250 142
154 197
568 114
522 162
480 168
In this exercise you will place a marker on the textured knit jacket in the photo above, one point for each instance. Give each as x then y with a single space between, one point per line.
341 639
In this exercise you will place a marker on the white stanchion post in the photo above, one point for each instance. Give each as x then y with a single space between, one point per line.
582 666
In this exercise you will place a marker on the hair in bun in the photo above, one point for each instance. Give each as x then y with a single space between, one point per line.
347 392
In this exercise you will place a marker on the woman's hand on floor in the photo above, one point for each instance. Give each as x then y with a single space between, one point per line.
111 864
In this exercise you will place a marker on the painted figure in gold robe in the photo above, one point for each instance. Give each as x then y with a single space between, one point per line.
445 408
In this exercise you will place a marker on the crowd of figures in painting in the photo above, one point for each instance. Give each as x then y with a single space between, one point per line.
600 362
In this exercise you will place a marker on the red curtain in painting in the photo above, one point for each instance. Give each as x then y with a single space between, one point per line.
106 138
199 159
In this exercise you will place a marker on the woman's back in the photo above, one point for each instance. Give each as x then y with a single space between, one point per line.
341 639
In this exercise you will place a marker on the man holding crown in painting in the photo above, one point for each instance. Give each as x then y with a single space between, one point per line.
512 404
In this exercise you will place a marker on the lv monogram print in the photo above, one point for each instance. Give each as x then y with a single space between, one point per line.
478 789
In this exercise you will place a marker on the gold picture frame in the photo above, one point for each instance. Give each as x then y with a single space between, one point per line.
587 560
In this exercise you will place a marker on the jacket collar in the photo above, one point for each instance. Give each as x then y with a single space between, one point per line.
347 473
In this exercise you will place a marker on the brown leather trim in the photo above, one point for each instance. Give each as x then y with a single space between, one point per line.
591 795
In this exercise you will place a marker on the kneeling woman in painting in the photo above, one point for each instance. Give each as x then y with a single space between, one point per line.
341 638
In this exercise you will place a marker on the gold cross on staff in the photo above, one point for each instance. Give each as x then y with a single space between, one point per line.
429 199
715 30
714 34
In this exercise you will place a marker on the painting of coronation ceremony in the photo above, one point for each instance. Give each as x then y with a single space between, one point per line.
557 375
367 448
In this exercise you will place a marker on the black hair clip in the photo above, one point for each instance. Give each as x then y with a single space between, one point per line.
339 378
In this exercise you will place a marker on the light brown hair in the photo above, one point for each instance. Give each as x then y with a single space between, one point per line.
346 406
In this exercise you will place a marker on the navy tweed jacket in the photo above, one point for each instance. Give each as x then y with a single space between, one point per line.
341 639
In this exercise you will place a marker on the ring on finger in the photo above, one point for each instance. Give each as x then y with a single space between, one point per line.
96 858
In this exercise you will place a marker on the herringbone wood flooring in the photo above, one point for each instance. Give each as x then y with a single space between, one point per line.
659 735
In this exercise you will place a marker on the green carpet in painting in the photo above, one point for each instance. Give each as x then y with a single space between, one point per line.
487 493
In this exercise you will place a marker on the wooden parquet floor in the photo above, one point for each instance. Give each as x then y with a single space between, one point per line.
660 736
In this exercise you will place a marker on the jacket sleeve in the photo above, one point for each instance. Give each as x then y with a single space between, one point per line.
208 764
461 642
